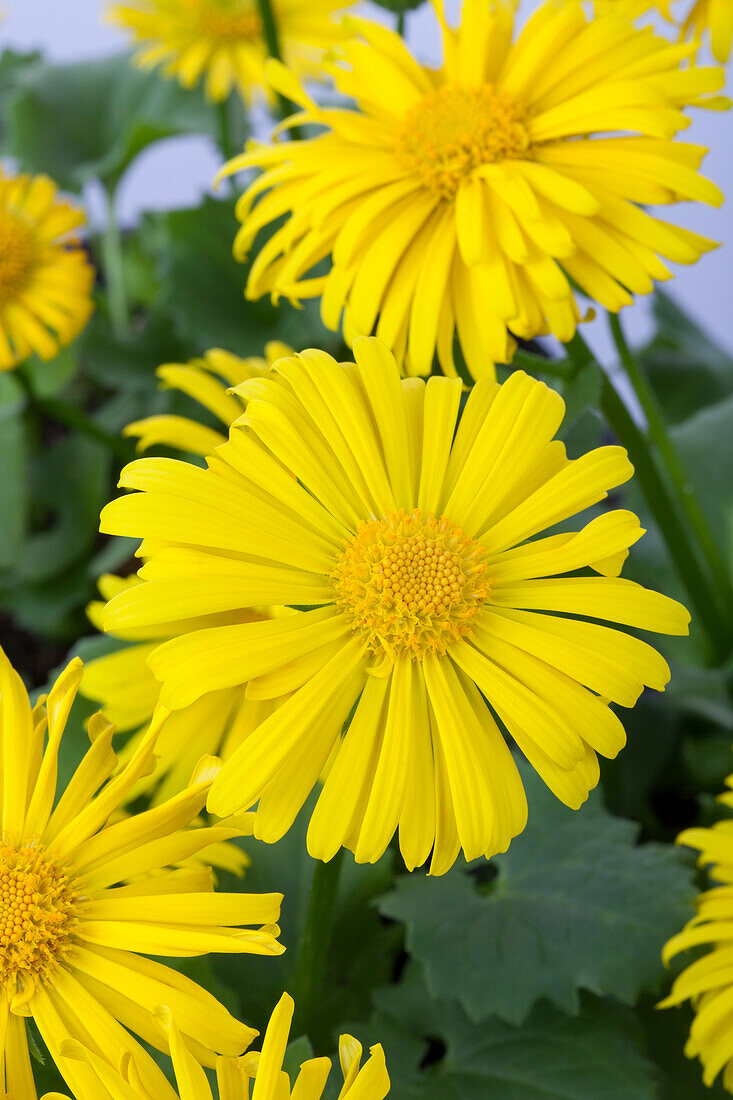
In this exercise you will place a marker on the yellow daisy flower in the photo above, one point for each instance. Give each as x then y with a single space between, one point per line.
262 1068
410 550
222 41
45 277
73 941
715 16
463 200
708 982
126 689
207 381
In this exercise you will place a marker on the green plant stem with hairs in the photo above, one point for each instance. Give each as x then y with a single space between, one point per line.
678 533
315 940
659 436
272 41
114 271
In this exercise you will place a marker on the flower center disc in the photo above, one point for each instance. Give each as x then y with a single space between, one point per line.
456 130
37 914
17 256
230 19
411 584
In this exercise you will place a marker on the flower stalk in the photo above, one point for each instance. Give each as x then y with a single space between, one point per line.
272 41
315 940
659 436
114 270
677 532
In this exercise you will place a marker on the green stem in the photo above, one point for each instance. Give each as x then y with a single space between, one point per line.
401 24
685 491
676 533
316 938
272 41
224 128
114 270
71 417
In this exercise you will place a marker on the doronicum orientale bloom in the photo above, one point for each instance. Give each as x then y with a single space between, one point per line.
82 901
422 594
121 682
261 1070
222 43
708 981
45 277
465 200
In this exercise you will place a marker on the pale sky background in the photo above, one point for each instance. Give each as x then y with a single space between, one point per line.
178 171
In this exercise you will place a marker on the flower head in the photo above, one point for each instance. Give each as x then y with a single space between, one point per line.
73 935
464 200
45 277
708 982
222 41
263 1069
411 552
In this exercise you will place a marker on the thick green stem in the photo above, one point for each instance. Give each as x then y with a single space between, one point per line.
401 24
224 128
114 270
272 41
676 533
685 491
316 938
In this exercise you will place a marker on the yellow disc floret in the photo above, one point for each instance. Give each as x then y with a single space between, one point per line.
37 914
456 130
229 19
17 256
411 584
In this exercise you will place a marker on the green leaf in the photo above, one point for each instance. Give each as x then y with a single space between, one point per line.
12 65
130 362
14 504
577 904
705 443
48 377
90 119
687 370
434 1052
205 289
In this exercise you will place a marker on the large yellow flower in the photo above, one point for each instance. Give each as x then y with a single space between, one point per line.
262 1068
73 940
708 982
45 277
466 199
122 682
409 547
222 42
